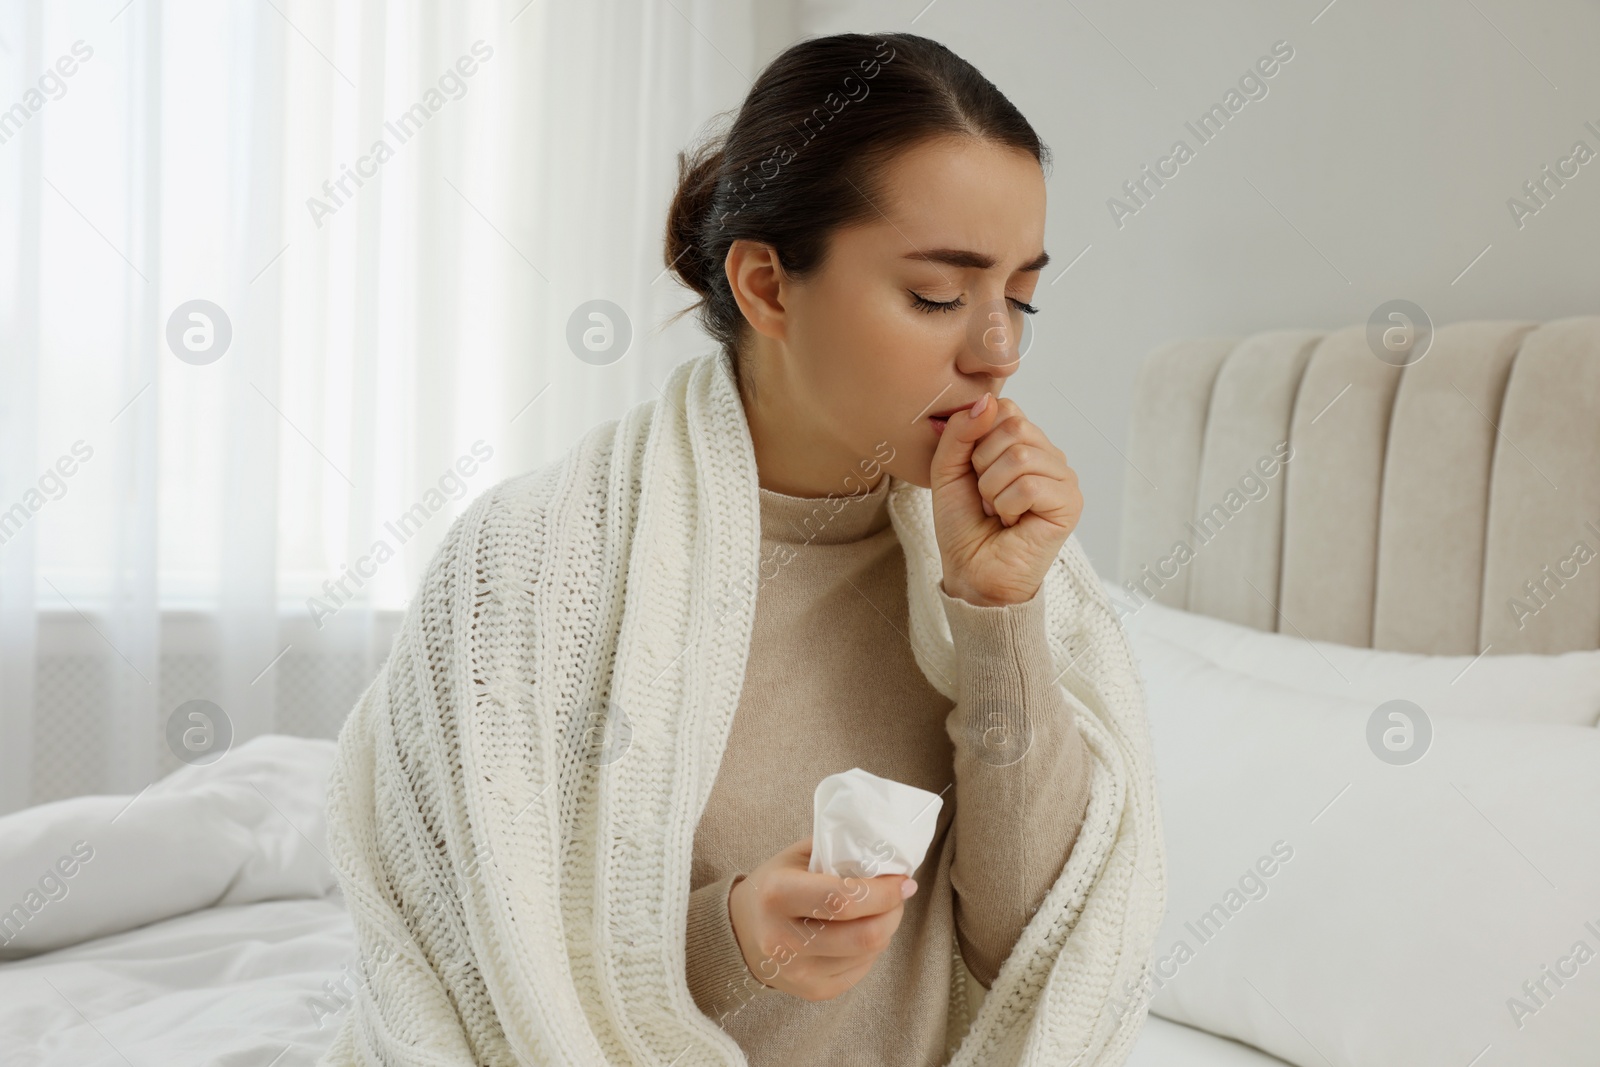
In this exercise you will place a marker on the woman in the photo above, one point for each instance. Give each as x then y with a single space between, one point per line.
572 815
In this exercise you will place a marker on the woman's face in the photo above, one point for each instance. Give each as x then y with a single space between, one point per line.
914 313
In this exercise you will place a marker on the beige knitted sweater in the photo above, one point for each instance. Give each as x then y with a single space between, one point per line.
831 683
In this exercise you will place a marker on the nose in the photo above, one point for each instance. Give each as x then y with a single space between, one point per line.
993 342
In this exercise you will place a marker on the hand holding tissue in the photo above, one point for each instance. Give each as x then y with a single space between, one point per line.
864 826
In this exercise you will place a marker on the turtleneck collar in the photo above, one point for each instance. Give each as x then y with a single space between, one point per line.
825 520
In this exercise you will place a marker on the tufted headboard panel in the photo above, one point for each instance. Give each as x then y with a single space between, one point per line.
1293 481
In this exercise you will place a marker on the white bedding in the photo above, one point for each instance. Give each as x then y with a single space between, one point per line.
258 984
1169 1044
244 828
231 986
1333 906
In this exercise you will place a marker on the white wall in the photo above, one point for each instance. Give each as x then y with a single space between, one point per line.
1378 165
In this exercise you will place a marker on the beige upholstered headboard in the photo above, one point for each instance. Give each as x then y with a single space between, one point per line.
1293 481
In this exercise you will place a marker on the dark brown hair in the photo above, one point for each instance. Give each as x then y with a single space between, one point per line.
802 156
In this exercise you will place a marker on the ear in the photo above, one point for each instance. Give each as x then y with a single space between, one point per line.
759 285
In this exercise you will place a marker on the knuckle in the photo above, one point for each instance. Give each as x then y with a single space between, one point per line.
872 939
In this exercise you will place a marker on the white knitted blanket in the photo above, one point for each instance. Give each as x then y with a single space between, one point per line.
513 806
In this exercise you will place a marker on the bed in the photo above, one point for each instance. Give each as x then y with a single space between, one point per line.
260 977
1360 569
1369 862
265 983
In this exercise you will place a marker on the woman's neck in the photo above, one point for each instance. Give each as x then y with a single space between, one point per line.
795 456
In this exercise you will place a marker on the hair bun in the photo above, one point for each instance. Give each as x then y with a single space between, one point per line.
691 204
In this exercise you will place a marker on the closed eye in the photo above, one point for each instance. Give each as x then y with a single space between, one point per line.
922 303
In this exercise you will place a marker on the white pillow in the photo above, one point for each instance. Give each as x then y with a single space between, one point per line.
1517 687
1163 1043
1363 912
244 828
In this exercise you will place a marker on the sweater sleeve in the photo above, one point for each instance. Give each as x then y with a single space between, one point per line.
719 979
1022 776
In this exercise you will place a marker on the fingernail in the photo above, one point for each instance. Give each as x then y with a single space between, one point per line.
988 508
908 887
981 406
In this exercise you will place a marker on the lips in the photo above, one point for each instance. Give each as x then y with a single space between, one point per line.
940 418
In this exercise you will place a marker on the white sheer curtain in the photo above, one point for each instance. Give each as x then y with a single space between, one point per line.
389 213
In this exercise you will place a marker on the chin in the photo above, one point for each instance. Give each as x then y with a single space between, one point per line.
917 470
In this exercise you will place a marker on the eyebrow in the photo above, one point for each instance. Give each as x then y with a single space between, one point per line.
961 257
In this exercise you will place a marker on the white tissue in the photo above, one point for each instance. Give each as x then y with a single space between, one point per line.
864 826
